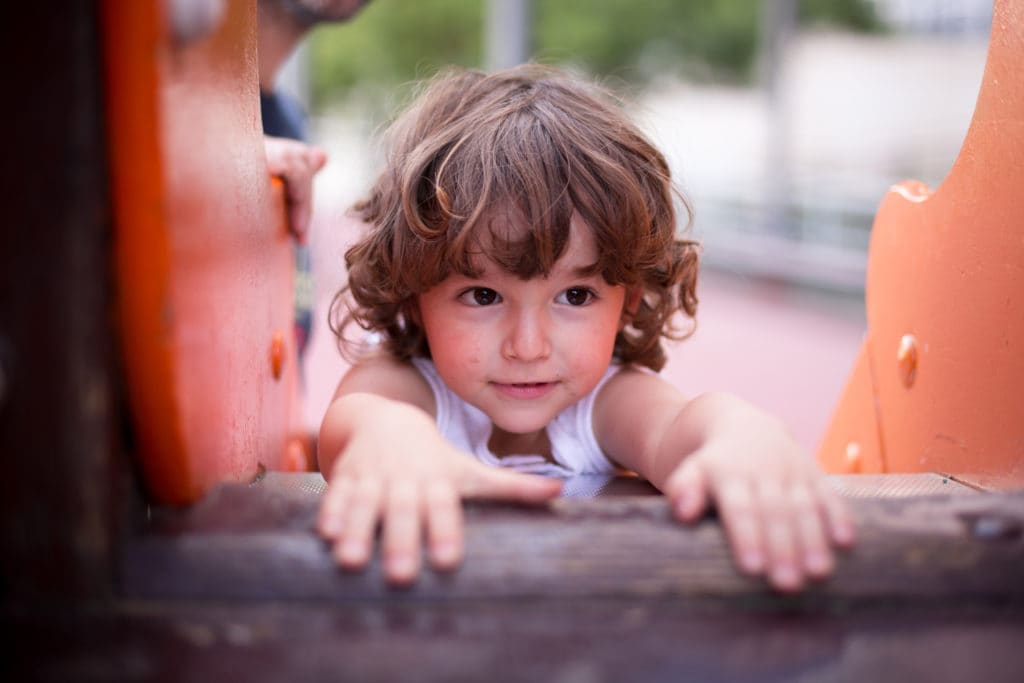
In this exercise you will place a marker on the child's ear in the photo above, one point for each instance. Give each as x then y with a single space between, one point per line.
634 295
411 311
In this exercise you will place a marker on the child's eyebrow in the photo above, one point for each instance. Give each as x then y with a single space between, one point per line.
587 271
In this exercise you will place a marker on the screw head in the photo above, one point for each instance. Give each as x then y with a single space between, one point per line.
853 457
906 359
277 354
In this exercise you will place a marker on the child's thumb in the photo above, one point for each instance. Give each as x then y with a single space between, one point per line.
317 158
483 482
687 489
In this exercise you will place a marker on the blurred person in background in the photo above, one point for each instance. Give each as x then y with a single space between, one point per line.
281 27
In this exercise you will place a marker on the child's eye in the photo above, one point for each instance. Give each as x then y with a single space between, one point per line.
479 296
576 296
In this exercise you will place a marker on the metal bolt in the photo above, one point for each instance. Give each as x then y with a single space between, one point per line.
906 359
853 457
277 354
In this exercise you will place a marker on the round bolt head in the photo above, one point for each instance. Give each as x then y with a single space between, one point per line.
906 359
277 354
853 457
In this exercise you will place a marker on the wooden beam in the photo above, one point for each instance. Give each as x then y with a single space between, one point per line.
249 543
62 475
514 640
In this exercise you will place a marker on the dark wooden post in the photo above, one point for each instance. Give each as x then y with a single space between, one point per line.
57 393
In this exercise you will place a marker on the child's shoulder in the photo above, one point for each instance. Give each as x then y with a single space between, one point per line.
633 384
379 372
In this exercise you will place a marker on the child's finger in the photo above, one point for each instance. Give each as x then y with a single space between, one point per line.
317 158
837 516
784 566
401 535
736 507
687 488
480 481
299 188
444 524
331 516
353 548
810 531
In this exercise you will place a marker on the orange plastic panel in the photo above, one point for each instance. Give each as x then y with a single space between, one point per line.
854 446
945 295
204 265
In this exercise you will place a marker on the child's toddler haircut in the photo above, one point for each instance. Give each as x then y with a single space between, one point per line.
477 155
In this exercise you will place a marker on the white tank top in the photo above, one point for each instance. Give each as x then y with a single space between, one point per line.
573 444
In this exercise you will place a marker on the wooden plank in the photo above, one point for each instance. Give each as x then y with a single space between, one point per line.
58 399
548 640
247 543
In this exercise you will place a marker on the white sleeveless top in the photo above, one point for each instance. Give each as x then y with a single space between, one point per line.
573 444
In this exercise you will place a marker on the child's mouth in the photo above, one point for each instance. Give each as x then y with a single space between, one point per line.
524 390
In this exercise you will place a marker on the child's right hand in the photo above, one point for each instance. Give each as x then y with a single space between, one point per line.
396 470
295 163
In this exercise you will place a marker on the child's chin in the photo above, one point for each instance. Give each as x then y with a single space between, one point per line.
521 424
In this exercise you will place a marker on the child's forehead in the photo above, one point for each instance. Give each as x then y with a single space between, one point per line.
509 228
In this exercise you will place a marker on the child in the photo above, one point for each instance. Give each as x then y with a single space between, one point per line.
521 268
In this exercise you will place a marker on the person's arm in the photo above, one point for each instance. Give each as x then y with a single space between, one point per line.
385 461
781 516
295 163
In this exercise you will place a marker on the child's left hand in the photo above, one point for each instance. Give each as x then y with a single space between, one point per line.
295 163
781 515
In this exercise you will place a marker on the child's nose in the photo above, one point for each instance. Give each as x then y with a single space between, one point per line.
528 338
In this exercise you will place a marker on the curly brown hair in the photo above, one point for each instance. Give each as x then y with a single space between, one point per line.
536 143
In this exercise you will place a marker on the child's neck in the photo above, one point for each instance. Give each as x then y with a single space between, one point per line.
504 443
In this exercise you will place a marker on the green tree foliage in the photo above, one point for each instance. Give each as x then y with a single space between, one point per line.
393 41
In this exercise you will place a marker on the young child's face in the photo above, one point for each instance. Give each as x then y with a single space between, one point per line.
523 350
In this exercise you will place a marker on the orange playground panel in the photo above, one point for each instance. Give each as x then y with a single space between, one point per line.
204 259
204 273
937 386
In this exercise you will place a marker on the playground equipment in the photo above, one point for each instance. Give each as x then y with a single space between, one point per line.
143 325
203 253
205 288
937 384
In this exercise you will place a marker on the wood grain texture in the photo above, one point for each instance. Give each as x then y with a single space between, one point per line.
247 543
58 380
597 641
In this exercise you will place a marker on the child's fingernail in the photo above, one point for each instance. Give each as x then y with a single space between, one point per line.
351 552
817 563
401 567
445 554
752 561
330 526
683 506
785 576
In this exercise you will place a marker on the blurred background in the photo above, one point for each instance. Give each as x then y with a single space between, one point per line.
785 122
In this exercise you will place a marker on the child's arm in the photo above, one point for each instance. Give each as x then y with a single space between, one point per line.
385 462
780 514
296 163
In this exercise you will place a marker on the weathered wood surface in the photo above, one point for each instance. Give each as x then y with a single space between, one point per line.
570 641
58 385
248 543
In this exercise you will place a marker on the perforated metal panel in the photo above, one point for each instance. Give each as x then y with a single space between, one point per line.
897 485
585 486
581 486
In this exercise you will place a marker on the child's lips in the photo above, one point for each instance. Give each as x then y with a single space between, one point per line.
524 390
